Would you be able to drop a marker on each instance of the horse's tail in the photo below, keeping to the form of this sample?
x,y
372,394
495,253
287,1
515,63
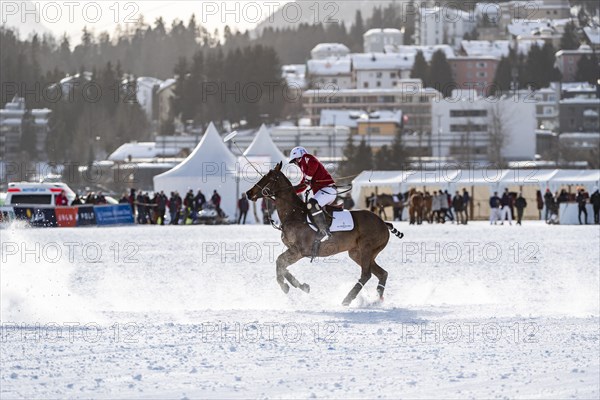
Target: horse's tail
x,y
395,231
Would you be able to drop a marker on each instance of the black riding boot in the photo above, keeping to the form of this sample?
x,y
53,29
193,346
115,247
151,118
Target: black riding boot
x,y
321,223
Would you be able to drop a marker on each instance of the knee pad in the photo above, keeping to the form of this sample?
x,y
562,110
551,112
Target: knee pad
x,y
313,205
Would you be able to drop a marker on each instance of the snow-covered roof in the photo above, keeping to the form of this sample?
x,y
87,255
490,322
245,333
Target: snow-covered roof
x,y
577,87
294,75
497,48
593,34
329,67
529,27
426,50
382,61
388,31
141,150
263,146
324,50
583,49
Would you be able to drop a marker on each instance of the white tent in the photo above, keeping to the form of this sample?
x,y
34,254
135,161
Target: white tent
x,y
211,166
263,146
589,179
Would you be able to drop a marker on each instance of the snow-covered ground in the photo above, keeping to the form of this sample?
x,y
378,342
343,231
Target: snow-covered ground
x,y
195,312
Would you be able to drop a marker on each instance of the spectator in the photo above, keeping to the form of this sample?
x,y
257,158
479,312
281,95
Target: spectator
x,y
549,203
595,200
398,207
494,204
199,200
540,203
458,204
61,199
436,207
140,202
505,202
124,199
448,211
243,206
132,198
581,202
466,203
189,204
77,201
173,209
100,199
90,198
161,207
520,205
348,202
216,200
563,197
267,209
443,203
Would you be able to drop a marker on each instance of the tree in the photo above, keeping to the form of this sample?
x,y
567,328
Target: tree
x,y
497,134
588,69
28,137
398,153
420,68
569,39
383,158
440,74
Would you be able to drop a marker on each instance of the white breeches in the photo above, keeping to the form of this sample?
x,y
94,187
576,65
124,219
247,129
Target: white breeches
x,y
325,196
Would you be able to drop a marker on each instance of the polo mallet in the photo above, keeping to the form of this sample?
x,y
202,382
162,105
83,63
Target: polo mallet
x,y
231,138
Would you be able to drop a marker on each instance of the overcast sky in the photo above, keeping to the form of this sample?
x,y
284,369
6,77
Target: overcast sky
x,y
71,16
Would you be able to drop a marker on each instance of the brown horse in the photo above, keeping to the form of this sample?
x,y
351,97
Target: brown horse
x,y
381,201
415,206
368,238
427,206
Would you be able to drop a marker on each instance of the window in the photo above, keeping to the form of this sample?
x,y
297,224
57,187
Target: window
x,y
373,130
394,83
481,74
379,75
366,85
378,84
392,75
468,113
482,65
31,199
334,81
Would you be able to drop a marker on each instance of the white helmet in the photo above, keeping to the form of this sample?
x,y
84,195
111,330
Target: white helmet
x,y
297,152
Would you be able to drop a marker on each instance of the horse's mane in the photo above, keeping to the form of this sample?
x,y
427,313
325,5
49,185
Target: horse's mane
x,y
288,185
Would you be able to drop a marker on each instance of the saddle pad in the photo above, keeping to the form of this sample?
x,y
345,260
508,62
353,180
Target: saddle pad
x,y
342,222
396,199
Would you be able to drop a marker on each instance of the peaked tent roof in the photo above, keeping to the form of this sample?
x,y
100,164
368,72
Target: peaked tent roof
x,y
263,146
211,149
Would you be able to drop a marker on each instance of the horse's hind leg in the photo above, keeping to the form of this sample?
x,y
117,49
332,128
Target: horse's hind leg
x,y
382,275
284,260
364,263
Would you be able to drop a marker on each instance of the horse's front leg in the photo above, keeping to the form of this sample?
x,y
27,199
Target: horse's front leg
x,y
284,260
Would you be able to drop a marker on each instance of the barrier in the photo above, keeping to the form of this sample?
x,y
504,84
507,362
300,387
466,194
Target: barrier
x,y
113,215
69,217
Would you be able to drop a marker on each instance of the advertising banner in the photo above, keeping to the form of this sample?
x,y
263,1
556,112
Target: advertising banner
x,y
39,217
66,217
113,215
86,216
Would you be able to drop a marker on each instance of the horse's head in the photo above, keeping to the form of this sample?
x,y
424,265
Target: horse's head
x,y
270,185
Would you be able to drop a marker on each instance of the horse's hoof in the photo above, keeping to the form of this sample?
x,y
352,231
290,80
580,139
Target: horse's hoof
x,y
285,287
305,288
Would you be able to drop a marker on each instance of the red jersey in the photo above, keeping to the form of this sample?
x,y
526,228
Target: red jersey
x,y
315,174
